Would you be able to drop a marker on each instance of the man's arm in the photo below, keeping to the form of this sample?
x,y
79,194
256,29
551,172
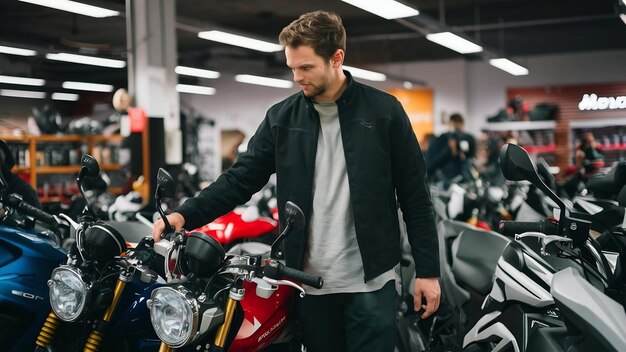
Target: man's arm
x,y
409,175
411,183
234,187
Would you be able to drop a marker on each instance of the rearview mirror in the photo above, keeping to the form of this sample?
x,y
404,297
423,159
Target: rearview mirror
x,y
517,166
89,166
166,186
295,216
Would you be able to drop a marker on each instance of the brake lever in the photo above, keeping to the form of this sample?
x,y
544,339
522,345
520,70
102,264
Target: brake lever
x,y
544,239
286,283
72,223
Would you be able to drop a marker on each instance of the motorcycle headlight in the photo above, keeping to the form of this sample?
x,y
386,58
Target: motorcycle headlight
x,y
174,315
68,293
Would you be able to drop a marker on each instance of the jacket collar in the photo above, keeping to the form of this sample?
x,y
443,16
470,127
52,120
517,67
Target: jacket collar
x,y
346,97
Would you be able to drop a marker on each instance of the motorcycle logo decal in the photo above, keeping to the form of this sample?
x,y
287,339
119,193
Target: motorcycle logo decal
x,y
265,334
26,295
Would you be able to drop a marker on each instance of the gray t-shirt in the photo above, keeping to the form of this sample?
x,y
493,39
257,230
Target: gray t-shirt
x,y
332,249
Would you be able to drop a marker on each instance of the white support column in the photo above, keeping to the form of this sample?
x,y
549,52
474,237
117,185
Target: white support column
x,y
152,58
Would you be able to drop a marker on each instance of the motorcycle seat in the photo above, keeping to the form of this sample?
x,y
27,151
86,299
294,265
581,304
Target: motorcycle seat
x,y
475,255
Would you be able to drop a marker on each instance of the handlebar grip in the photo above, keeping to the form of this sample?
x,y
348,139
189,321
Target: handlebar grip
x,y
511,228
277,270
19,204
300,276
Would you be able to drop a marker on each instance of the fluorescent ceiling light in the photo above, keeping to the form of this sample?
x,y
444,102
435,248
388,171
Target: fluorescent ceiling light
x,y
238,40
65,96
509,66
365,74
75,7
454,42
196,72
87,60
22,80
187,88
264,81
92,87
388,9
17,51
22,94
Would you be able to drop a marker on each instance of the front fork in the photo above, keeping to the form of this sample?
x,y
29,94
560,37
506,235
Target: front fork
x,y
97,334
47,332
235,295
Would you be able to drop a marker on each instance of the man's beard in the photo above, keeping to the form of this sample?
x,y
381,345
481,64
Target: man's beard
x,y
317,89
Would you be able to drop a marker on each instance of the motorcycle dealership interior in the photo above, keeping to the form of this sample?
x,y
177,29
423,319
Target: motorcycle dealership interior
x,y
115,112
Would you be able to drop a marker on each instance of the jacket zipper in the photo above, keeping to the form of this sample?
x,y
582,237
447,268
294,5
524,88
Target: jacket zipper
x,y
316,121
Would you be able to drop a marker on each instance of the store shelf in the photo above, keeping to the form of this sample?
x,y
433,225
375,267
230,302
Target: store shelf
x,y
606,148
540,148
51,138
114,138
14,139
33,152
521,125
598,123
116,190
21,169
50,199
110,167
58,169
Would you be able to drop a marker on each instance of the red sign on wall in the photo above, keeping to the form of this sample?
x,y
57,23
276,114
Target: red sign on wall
x,y
137,119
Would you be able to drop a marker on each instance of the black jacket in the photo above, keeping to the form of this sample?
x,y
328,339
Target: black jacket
x,y
383,159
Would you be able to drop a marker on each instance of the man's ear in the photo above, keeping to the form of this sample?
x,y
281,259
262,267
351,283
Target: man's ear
x,y
337,58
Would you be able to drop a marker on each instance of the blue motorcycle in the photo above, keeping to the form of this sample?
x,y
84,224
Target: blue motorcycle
x,y
26,260
98,294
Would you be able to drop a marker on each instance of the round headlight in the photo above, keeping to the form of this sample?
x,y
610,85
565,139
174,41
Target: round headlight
x,y
68,293
174,315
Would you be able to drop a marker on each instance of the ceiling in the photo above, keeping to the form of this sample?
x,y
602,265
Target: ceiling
x,y
514,28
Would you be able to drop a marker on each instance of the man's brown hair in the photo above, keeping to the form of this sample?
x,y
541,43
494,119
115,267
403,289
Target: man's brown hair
x,y
321,30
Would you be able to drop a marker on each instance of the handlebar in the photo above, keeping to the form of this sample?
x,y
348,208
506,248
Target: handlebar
x,y
512,228
276,270
18,203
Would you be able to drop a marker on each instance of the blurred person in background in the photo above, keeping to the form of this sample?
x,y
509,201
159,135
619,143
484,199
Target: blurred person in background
x,y
450,155
588,161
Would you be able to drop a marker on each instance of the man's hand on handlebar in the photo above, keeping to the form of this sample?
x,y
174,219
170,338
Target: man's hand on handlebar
x,y
429,290
176,220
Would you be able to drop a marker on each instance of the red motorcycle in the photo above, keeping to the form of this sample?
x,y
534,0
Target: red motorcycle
x,y
249,222
222,302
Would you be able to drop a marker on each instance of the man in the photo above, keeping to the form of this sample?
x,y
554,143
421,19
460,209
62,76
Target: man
x,y
342,151
450,154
